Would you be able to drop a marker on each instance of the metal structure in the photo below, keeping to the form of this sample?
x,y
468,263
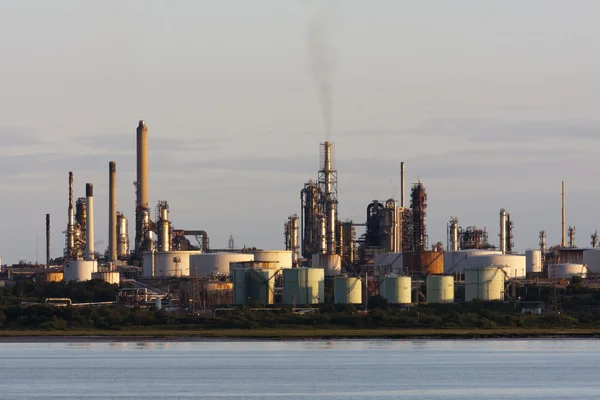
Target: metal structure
x,y
303,286
453,234
47,241
418,206
594,238
143,224
396,289
112,212
566,271
89,227
291,237
571,235
329,193
506,232
122,236
79,270
163,226
543,244
347,290
563,241
75,235
533,261
485,284
310,220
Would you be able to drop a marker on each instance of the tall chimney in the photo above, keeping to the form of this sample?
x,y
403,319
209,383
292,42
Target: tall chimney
x,y
47,241
89,227
402,184
563,241
112,211
142,165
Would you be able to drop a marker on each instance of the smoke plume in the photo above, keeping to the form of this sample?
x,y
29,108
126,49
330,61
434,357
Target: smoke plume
x,y
321,56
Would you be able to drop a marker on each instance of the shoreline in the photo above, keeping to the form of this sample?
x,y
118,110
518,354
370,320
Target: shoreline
x,y
294,334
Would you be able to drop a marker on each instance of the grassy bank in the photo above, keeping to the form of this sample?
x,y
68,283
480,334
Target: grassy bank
x,y
301,334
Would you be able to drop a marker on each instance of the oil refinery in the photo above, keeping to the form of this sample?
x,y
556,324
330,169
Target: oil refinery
x,y
323,258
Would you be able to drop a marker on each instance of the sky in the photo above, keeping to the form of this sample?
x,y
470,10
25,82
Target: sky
x,y
490,104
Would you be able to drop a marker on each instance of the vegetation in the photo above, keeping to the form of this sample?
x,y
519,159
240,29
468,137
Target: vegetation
x,y
580,315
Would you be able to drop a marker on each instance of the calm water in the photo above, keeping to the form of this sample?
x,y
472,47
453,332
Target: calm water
x,y
428,369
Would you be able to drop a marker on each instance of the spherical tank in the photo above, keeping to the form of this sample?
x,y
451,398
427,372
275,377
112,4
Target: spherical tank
x,y
283,257
396,289
347,290
440,289
591,258
79,270
167,263
485,284
533,260
513,265
112,277
456,261
207,264
566,271
303,286
389,263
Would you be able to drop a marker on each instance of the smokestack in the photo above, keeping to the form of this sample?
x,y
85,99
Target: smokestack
x,y
89,227
47,241
142,165
112,211
563,241
402,184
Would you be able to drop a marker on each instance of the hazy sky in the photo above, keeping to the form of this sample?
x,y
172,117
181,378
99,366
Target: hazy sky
x,y
491,104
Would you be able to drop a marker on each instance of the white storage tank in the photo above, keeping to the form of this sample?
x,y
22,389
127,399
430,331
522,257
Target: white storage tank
x,y
513,265
283,257
456,261
167,263
485,284
347,290
303,286
389,263
533,261
79,270
331,263
396,289
566,271
440,289
112,277
591,258
207,264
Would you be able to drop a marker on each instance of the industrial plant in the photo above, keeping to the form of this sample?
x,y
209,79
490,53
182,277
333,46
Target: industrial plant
x,y
323,258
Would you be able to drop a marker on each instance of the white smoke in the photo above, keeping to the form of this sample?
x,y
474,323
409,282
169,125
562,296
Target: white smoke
x,y
321,57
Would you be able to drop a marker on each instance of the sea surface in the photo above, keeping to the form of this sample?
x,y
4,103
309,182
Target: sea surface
x,y
337,369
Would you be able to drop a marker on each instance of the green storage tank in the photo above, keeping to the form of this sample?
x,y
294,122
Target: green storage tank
x,y
303,286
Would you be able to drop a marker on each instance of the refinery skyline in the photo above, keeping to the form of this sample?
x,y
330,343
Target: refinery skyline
x,y
230,149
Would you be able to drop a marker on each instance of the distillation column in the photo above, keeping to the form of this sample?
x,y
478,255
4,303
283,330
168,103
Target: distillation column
x,y
503,231
89,234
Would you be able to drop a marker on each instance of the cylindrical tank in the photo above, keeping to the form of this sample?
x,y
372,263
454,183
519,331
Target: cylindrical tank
x,y
347,290
440,289
303,286
283,257
396,289
456,261
485,284
533,260
207,264
253,286
167,263
591,258
566,271
255,265
513,265
423,262
331,263
112,277
79,270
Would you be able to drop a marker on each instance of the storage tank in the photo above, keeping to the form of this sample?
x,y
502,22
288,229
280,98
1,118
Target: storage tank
x,y
440,289
456,261
484,283
79,270
423,262
53,276
533,261
207,264
396,289
252,286
513,265
566,271
283,257
112,277
389,263
591,258
331,263
302,286
274,265
347,290
167,263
